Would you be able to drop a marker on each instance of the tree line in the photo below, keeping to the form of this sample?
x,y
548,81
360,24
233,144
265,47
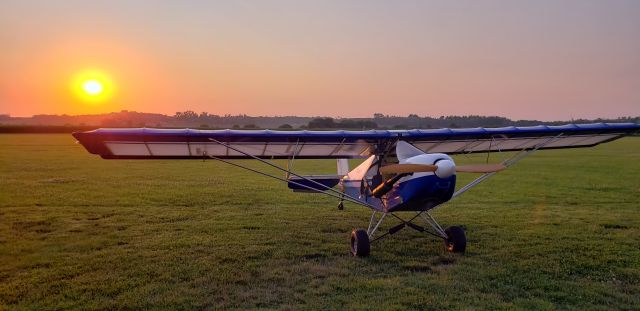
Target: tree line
x,y
204,120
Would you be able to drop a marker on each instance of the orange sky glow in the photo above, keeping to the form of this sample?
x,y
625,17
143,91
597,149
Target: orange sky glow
x,y
524,60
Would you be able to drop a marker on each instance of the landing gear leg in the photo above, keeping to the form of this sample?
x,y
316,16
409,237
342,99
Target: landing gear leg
x,y
454,238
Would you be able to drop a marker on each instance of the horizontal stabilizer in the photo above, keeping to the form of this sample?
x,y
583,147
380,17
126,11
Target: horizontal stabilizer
x,y
313,183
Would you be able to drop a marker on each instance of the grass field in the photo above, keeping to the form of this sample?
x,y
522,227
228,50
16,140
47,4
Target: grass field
x,y
559,230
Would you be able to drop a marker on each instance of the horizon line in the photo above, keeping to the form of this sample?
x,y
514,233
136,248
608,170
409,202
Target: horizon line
x,y
319,116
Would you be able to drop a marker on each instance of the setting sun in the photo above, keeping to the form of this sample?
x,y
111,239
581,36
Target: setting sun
x,y
92,86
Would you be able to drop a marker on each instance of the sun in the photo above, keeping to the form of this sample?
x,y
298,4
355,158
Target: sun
x,y
92,86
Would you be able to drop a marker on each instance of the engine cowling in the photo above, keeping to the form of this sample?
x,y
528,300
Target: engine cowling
x,y
446,166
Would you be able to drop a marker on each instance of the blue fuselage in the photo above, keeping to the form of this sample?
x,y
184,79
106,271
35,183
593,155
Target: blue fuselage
x,y
420,193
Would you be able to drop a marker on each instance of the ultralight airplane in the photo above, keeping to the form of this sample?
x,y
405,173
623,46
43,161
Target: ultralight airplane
x,y
405,172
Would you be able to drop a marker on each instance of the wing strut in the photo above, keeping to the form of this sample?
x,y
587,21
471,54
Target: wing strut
x,y
337,194
293,182
511,161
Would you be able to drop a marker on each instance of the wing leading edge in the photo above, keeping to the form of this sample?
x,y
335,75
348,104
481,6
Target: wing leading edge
x,y
148,143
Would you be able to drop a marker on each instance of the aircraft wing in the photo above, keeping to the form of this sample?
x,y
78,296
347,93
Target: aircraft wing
x,y
149,143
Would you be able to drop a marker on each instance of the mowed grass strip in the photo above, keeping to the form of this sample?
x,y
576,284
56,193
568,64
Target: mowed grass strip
x,y
561,229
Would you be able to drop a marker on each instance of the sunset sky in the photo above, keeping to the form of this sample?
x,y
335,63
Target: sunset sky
x,y
548,60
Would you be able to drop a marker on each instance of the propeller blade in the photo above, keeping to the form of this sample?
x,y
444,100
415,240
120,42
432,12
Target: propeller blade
x,y
480,168
407,168
415,168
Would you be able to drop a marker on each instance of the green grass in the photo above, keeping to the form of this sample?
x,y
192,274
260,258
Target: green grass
x,y
561,229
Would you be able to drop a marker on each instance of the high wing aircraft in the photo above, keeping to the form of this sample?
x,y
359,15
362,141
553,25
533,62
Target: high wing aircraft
x,y
405,174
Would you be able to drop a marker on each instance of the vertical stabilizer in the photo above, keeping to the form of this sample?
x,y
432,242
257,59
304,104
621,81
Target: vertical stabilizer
x,y
361,170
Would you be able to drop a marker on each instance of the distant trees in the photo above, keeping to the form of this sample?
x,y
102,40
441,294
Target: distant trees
x,y
357,124
378,120
186,115
192,119
322,123
330,123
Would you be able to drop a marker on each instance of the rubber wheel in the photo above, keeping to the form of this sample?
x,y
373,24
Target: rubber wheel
x,y
360,245
456,241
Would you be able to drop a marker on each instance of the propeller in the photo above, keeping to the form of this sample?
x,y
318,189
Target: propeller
x,y
415,168
407,168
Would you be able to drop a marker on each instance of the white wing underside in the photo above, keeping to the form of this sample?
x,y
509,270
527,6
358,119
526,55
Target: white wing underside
x,y
338,150
187,143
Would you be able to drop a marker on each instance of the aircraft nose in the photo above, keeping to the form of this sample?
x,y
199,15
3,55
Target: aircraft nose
x,y
446,168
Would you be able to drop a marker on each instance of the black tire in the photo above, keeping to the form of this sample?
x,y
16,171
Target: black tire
x,y
456,241
360,245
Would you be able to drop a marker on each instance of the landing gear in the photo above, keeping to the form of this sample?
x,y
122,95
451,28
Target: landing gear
x,y
456,241
454,238
340,205
360,244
